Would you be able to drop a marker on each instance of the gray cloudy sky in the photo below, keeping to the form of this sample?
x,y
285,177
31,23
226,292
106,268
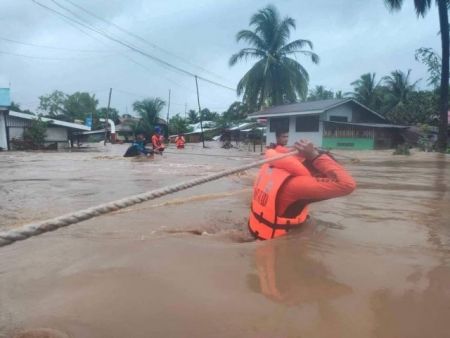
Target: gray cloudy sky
x,y
351,37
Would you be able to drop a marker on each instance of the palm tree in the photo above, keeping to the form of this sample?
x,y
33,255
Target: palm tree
x,y
399,88
422,7
366,91
193,116
275,78
339,95
148,110
320,93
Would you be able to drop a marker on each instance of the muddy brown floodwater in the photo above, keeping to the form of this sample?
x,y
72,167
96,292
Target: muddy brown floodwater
x,y
372,264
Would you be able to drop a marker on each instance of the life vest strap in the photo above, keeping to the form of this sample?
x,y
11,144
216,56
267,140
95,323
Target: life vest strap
x,y
255,234
275,226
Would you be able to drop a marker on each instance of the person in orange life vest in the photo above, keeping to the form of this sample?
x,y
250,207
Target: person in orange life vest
x,y
284,189
180,141
157,141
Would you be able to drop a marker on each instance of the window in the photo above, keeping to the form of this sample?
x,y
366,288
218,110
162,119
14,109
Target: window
x,y
280,124
307,123
339,118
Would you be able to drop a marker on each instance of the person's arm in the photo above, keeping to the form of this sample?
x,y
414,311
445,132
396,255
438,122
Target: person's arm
x,y
292,164
302,190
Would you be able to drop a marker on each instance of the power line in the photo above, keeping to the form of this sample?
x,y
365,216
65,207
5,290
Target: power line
x,y
40,57
51,47
135,49
140,38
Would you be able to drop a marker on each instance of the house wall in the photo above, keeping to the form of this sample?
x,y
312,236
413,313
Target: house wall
x,y
361,115
353,143
16,133
344,110
57,134
3,139
315,137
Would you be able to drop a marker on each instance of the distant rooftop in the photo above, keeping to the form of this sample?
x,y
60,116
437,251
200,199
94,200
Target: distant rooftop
x,y
70,125
306,108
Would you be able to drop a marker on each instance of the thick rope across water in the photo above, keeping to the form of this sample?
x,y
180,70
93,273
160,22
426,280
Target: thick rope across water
x,y
34,229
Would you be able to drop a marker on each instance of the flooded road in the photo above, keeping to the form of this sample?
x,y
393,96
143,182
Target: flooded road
x,y
375,263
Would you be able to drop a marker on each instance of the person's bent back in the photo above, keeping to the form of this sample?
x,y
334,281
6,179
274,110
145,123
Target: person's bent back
x,y
284,189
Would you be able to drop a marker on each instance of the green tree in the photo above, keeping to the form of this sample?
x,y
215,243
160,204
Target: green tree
x,y
422,7
36,133
208,115
320,93
113,114
101,114
79,105
275,78
399,88
177,124
236,112
339,95
366,90
52,105
419,108
433,61
14,106
193,117
148,110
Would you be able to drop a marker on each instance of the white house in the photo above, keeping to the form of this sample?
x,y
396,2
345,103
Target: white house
x,y
13,124
335,123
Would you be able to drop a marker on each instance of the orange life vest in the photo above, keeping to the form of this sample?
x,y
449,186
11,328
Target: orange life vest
x,y
179,141
157,142
264,223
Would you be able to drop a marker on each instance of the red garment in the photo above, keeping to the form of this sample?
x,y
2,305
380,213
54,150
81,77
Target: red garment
x,y
180,141
157,142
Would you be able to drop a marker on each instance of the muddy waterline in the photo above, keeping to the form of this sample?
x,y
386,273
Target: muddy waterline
x,y
372,264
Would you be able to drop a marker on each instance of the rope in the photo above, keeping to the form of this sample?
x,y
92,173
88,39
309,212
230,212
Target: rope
x,y
182,152
34,229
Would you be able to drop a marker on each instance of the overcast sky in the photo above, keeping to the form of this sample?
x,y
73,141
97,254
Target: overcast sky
x,y
352,37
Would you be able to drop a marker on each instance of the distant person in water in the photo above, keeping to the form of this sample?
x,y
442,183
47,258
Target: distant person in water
x,y
158,141
180,141
137,148
284,189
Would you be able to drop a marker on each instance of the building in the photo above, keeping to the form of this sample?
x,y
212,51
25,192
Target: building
x,y
333,124
209,131
13,124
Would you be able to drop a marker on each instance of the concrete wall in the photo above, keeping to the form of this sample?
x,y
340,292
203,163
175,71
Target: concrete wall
x,y
348,143
3,139
57,134
16,133
315,137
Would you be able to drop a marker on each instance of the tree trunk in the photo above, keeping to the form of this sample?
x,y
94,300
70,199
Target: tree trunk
x,y
443,102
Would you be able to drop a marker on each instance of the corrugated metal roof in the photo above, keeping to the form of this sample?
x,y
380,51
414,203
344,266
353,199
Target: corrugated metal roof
x,y
5,99
52,121
309,107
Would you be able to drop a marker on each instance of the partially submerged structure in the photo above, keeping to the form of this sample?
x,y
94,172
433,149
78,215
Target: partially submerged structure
x,y
334,124
12,125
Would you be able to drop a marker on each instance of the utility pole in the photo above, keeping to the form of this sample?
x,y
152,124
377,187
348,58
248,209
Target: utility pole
x,y
185,108
168,110
200,112
107,115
